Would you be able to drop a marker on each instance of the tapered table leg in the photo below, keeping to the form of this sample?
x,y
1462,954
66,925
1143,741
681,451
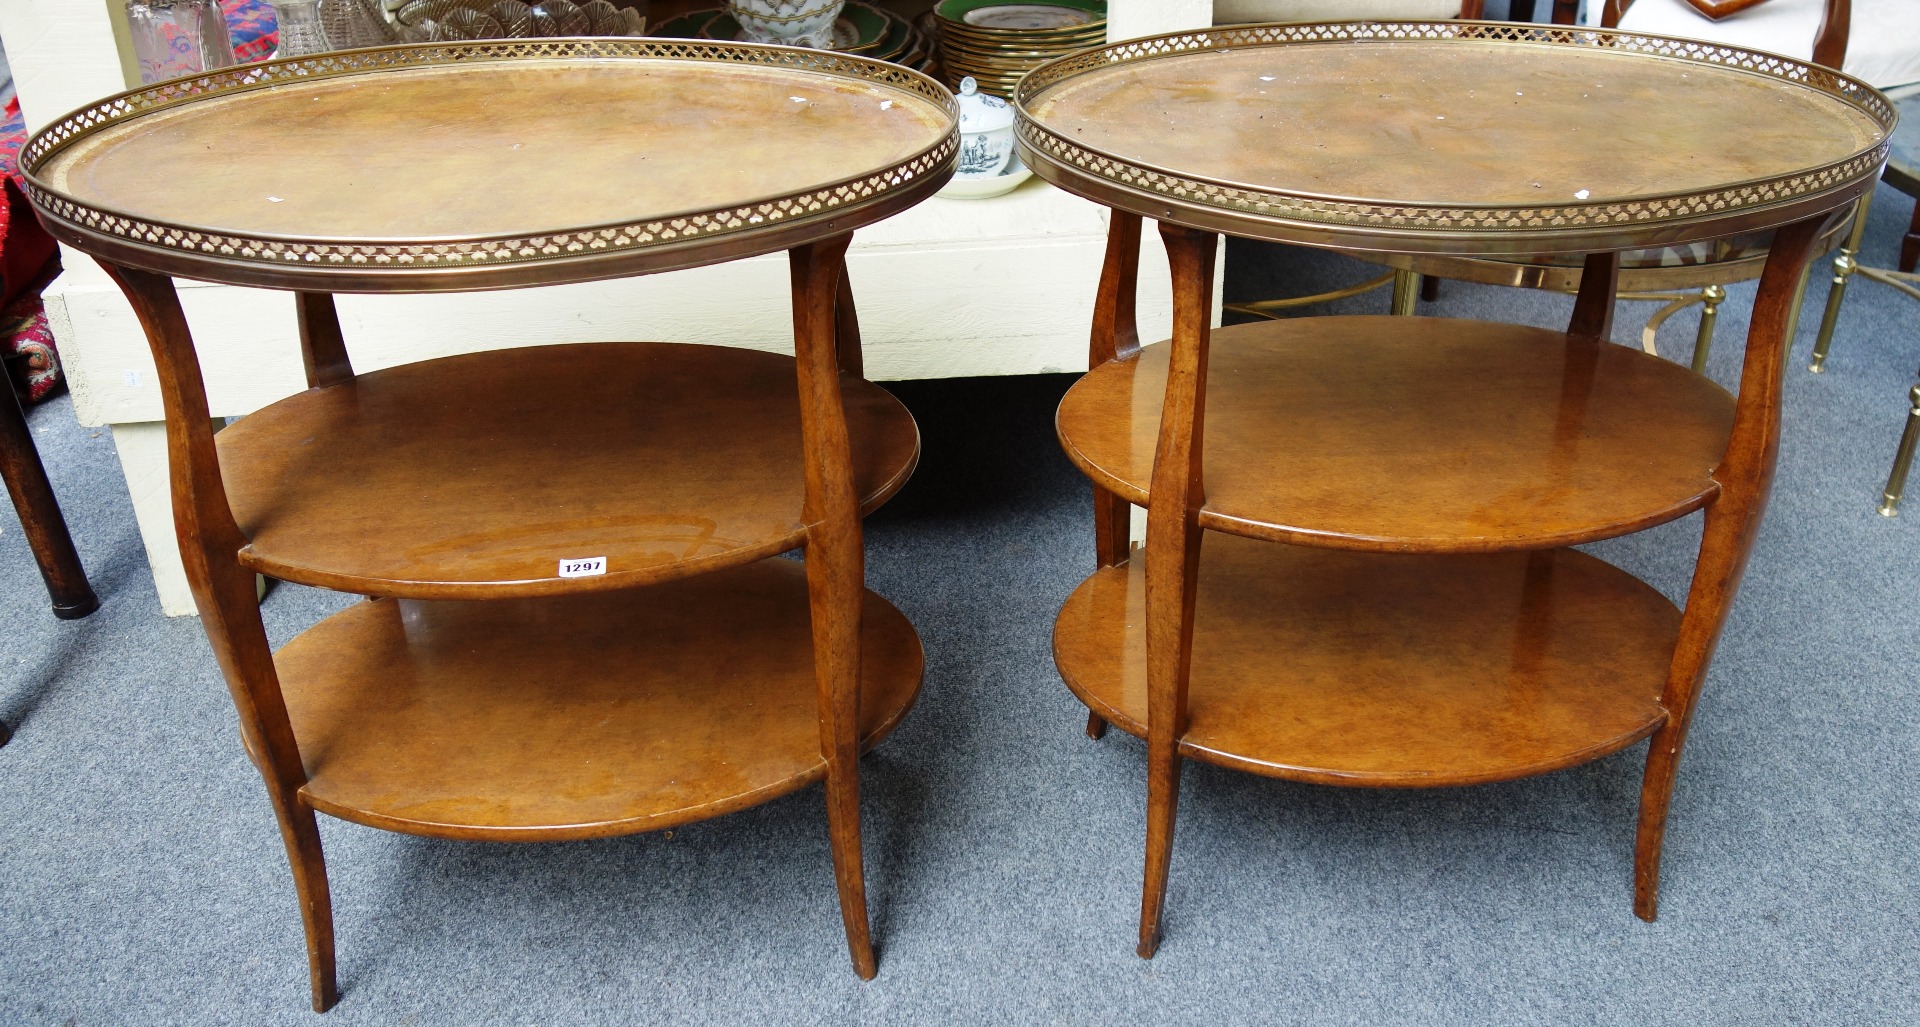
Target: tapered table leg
x,y
210,542
1116,334
1173,557
1732,522
836,569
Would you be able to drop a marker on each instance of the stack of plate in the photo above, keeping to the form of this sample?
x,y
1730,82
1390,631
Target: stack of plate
x,y
996,41
863,29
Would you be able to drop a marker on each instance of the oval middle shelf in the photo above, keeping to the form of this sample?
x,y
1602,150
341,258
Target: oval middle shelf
x,y
578,716
475,476
1416,434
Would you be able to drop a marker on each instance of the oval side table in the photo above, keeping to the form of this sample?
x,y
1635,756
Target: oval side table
x,y
1387,597
638,661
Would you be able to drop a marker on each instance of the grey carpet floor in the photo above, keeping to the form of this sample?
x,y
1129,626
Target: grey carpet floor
x,y
142,880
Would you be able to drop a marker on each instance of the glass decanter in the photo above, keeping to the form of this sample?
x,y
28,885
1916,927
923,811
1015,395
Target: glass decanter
x,y
172,38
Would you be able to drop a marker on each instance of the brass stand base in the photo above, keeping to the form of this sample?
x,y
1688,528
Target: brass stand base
x,y
1906,282
1269,308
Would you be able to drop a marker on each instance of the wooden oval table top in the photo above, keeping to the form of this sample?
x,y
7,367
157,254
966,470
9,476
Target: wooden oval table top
x,y
1452,136
479,165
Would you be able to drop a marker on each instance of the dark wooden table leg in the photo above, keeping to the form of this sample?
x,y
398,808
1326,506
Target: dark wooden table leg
x,y
1593,305
1732,522
836,564
1115,334
1173,556
229,606
40,517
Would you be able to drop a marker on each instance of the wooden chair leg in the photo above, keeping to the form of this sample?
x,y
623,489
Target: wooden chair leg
x,y
836,564
1429,289
6,733
40,517
1732,522
1173,557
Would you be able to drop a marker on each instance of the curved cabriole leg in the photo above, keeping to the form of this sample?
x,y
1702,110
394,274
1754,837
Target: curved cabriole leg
x,y
1843,267
1116,334
836,569
1173,557
40,517
1732,522
229,608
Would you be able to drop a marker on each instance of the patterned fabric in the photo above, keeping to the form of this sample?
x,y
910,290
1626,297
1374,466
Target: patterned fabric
x,y
26,347
27,263
13,135
252,26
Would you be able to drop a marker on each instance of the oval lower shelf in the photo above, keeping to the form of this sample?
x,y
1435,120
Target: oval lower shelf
x,y
1387,670
475,476
577,716
1417,434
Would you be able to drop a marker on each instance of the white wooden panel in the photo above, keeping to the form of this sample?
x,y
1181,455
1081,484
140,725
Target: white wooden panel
x,y
1131,20
62,55
143,458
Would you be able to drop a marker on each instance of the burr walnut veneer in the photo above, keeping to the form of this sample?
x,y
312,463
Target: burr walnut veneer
x,y
640,661
1384,596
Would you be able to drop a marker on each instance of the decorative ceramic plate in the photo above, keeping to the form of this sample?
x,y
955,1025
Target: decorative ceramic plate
x,y
1026,17
997,17
984,186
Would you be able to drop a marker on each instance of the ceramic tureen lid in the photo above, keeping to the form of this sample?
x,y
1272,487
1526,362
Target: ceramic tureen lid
x,y
980,112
